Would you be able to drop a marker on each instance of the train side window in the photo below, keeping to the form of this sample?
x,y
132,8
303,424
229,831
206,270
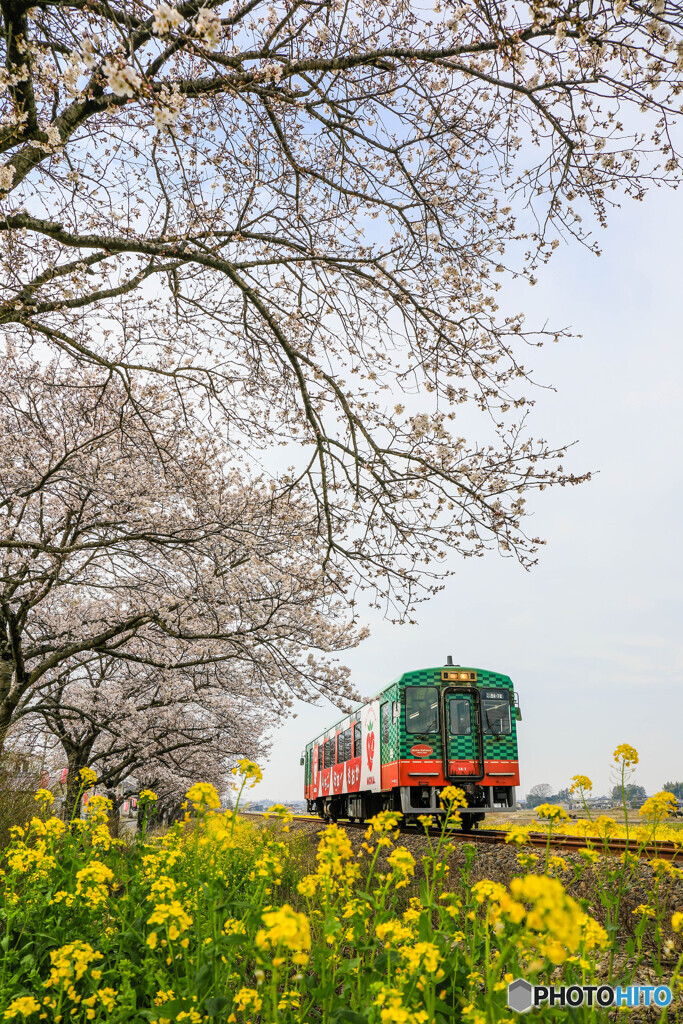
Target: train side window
x,y
329,753
459,717
320,757
422,709
344,746
495,714
356,740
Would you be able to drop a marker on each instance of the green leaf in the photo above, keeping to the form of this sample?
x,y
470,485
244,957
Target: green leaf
x,y
386,959
173,1007
214,1005
343,1015
202,975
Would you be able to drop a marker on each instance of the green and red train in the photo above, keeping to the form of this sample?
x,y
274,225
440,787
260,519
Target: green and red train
x,y
434,727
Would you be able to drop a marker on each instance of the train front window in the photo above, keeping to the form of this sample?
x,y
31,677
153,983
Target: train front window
x,y
422,709
459,717
495,714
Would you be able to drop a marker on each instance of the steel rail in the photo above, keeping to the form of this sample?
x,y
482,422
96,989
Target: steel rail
x,y
664,850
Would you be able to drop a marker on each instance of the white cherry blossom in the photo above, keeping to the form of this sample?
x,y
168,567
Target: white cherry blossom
x,y
166,18
208,27
122,79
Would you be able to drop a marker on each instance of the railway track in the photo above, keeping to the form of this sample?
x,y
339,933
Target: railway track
x,y
663,850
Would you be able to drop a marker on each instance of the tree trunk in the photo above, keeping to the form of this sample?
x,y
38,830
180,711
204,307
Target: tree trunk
x,y
6,677
77,758
114,816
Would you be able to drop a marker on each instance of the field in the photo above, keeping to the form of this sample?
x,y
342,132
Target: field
x,y
222,920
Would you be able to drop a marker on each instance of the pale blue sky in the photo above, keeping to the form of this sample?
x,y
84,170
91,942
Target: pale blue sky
x,y
591,636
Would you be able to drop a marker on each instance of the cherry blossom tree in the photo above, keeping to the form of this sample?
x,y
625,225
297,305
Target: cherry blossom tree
x,y
129,539
299,213
165,728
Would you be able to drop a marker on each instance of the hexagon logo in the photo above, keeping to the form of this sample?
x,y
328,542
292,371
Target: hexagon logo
x,y
520,995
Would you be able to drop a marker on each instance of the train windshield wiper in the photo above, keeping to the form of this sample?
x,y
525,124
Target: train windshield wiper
x,y
498,735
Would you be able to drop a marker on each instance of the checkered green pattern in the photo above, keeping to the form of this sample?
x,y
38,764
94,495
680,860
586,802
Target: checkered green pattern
x,y
390,744
460,747
503,749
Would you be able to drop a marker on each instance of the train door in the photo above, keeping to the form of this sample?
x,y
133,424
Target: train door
x,y
389,743
385,732
463,735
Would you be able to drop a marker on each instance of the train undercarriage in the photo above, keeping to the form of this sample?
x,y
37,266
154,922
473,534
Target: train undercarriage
x,y
413,801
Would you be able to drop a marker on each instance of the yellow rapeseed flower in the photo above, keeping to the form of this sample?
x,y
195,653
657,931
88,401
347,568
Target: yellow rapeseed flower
x,y
518,836
70,962
487,890
171,915
626,753
92,881
24,1005
203,795
334,850
162,889
394,1011
385,821
44,797
662,867
677,921
402,864
453,796
250,770
552,812
88,776
286,928
423,957
107,997
526,859
661,805
391,933
98,810
580,783
553,918
248,998
234,927
308,885
147,796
